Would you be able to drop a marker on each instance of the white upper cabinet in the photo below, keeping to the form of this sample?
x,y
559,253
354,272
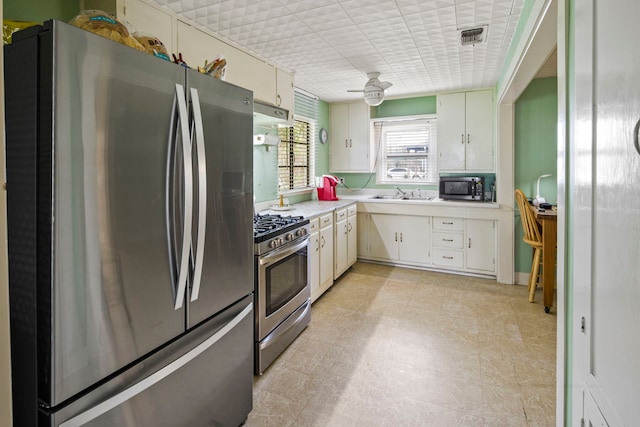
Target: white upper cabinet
x,y
269,84
152,20
465,132
349,137
242,69
284,91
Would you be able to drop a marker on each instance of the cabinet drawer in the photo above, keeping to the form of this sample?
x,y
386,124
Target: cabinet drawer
x,y
351,210
447,240
446,258
326,220
314,224
341,214
448,224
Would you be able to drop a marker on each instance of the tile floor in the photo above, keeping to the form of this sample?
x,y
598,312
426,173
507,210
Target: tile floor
x,y
394,347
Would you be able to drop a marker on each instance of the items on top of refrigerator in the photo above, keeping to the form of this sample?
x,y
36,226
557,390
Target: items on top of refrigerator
x,y
216,68
9,27
152,45
105,25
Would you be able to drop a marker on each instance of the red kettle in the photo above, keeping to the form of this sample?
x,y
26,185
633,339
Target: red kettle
x,y
328,189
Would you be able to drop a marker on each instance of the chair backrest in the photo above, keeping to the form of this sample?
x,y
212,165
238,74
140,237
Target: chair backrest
x,y
529,224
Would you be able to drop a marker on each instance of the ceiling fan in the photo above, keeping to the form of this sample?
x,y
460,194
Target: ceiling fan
x,y
373,89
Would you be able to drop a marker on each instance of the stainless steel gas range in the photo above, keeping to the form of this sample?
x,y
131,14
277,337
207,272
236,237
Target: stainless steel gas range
x,y
283,297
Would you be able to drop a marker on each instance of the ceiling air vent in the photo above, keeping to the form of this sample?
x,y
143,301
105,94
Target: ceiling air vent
x,y
472,36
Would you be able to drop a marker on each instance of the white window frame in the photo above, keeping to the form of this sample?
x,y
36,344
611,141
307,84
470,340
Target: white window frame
x,y
310,160
384,166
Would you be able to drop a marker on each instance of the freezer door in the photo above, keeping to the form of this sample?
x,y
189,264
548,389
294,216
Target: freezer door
x,y
203,379
223,246
113,288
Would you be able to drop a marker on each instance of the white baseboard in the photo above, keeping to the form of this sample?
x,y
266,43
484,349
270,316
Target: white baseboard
x,y
522,278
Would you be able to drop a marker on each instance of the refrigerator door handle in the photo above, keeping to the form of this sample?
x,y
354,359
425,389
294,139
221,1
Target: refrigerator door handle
x,y
128,393
202,193
183,269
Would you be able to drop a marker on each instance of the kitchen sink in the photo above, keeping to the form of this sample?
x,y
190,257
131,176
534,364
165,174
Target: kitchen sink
x,y
401,197
385,197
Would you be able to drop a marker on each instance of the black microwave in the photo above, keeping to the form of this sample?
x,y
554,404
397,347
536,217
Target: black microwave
x,y
470,188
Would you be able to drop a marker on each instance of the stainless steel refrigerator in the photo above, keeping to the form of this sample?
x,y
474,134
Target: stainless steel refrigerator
x,y
130,209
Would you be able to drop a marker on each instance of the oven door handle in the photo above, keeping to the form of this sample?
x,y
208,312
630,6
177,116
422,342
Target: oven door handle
x,y
279,254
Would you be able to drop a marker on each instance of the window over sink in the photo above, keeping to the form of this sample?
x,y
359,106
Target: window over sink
x,y
406,149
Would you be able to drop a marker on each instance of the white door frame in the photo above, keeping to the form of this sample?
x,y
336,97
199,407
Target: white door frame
x,y
544,34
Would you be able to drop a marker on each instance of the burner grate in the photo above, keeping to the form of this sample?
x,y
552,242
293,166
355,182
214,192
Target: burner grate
x,y
268,225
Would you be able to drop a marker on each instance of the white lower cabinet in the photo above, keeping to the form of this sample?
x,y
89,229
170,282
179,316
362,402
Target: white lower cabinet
x,y
401,238
464,244
346,244
481,245
314,257
321,268
446,243
448,250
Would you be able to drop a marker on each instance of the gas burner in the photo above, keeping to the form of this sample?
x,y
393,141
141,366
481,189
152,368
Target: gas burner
x,y
271,230
264,225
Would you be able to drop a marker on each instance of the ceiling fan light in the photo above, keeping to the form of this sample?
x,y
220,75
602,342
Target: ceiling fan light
x,y
374,97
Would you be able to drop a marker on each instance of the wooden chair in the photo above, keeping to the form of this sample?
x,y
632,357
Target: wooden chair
x,y
533,237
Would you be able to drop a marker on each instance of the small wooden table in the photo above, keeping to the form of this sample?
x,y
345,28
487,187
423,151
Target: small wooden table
x,y
549,221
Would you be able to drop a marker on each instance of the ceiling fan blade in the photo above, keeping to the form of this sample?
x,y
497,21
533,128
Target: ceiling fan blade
x,y
355,90
385,85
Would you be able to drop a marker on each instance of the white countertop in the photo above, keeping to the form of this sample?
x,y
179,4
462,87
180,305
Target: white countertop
x,y
312,208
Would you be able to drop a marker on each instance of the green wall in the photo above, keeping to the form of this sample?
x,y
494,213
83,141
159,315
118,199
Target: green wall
x,y
265,162
536,147
40,10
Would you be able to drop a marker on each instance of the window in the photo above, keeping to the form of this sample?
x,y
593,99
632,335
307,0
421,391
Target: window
x,y
294,156
406,150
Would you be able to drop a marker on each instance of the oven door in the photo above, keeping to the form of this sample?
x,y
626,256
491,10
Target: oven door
x,y
283,284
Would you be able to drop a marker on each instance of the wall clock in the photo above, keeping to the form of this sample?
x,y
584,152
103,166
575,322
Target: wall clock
x,y
324,136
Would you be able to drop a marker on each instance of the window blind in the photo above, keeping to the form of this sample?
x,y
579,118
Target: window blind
x,y
296,151
407,150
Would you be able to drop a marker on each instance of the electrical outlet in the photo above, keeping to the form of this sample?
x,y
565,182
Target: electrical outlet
x,y
341,180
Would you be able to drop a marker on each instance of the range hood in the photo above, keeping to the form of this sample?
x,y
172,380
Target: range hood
x,y
269,114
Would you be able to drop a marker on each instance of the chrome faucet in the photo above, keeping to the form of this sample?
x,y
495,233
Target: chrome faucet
x,y
399,191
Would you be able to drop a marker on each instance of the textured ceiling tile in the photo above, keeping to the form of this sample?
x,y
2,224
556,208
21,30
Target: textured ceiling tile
x,y
392,27
416,6
363,12
325,18
303,5
331,44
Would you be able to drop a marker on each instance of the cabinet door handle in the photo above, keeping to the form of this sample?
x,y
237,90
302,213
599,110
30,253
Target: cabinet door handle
x,y
462,138
350,143
346,229
447,257
447,223
447,240
323,242
278,100
469,242
317,245
396,236
350,227
468,138
346,142
400,237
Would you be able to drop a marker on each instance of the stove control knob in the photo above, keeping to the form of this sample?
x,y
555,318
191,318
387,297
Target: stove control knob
x,y
289,237
301,232
279,241
273,243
